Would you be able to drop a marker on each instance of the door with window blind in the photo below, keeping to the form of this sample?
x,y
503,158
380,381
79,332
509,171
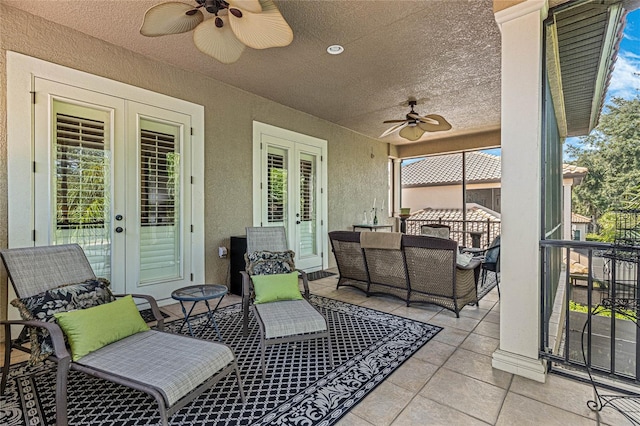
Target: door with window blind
x,y
109,176
291,193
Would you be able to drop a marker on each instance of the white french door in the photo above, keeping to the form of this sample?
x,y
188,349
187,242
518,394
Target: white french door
x,y
110,176
290,191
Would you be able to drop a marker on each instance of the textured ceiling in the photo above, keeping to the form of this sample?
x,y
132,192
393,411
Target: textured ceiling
x,y
445,53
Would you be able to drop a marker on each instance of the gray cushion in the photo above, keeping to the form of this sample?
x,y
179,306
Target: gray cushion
x,y
173,364
288,318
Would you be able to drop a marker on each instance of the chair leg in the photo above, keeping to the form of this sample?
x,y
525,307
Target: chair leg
x,y
61,392
7,358
262,364
497,283
330,347
242,397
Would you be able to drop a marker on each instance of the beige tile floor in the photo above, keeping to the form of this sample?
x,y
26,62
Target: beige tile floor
x,y
450,380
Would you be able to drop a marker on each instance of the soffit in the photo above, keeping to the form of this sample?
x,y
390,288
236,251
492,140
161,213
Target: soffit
x,y
583,46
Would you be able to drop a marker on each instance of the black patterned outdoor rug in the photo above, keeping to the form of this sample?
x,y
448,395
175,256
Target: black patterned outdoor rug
x,y
147,315
312,276
487,286
300,388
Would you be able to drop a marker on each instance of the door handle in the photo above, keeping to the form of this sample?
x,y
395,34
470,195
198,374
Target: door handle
x,y
119,229
118,217
297,222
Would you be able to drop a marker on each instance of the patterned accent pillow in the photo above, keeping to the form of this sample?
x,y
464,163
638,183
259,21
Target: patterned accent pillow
x,y
270,262
65,298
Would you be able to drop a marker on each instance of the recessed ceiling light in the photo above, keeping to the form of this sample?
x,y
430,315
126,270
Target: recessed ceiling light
x,y
335,49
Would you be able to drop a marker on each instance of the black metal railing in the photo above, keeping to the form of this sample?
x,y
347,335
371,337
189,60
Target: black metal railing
x,y
470,233
592,276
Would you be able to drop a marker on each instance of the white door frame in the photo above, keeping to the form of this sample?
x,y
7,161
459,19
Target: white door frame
x,y
21,73
260,129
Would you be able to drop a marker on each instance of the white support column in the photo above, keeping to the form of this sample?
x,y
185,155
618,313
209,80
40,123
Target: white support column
x,y
522,48
566,208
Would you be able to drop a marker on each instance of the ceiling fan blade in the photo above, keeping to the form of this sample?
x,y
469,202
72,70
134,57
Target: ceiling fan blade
x,y
262,30
395,121
252,6
394,128
170,18
220,43
412,133
441,123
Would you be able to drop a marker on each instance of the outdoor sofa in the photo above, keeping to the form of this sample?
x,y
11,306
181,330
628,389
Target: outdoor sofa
x,y
414,268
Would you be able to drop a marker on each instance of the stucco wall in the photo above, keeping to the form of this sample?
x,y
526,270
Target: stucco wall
x,y
438,197
354,177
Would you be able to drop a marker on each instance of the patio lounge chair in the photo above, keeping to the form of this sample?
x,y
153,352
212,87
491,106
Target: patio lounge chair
x,y
181,369
280,321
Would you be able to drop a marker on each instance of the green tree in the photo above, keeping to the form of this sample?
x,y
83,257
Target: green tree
x,y
611,152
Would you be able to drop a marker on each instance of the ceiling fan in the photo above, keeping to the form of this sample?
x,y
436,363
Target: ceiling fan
x,y
414,126
234,25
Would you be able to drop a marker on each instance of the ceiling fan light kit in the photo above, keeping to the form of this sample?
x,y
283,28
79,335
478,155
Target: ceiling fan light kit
x,y
413,126
236,24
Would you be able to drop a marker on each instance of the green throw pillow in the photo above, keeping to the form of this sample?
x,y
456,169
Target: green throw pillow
x,y
90,329
275,287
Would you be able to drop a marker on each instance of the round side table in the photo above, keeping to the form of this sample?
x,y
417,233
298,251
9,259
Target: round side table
x,y
200,293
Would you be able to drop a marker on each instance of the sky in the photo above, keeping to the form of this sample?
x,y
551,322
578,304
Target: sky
x,y
625,79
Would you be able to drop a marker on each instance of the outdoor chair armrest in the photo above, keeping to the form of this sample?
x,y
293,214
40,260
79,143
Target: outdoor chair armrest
x,y
152,303
57,338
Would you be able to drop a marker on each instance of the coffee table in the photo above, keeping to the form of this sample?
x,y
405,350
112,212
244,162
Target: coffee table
x,y
200,293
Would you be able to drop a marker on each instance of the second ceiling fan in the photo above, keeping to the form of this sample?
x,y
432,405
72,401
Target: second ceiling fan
x,y
413,126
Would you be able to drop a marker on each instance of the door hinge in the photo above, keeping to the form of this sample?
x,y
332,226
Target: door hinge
x,y
192,131
260,185
191,228
322,254
191,277
321,159
33,235
321,222
261,145
191,180
34,167
33,97
260,223
322,190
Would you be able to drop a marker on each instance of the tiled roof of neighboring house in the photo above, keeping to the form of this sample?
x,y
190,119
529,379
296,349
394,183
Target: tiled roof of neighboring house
x,y
475,212
447,170
578,218
569,170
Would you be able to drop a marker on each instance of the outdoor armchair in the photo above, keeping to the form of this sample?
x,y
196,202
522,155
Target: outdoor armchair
x,y
181,369
288,316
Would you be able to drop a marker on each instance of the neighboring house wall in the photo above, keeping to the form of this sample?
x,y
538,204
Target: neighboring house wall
x,y
450,196
579,230
357,165
436,197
